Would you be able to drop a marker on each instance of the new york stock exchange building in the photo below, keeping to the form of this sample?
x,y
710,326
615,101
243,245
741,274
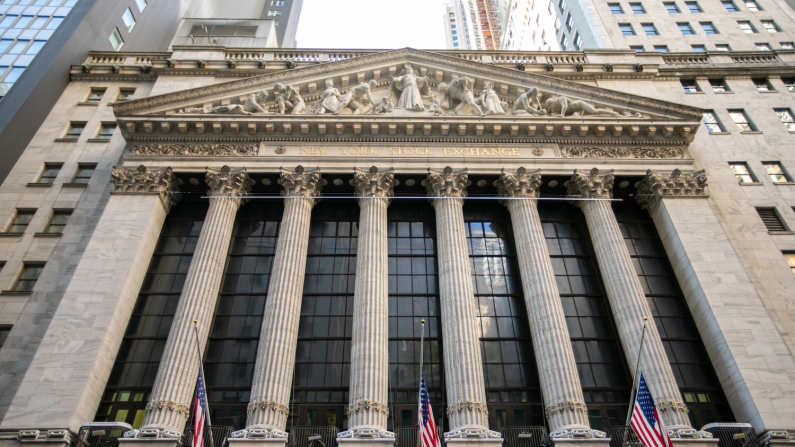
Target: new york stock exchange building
x,y
291,216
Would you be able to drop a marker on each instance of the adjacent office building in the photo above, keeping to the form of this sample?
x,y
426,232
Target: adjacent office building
x,y
474,24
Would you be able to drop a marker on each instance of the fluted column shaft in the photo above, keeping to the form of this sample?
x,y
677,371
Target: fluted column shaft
x,y
176,377
273,373
629,305
466,393
557,369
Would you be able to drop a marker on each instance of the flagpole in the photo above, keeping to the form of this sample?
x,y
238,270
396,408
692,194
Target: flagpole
x,y
419,396
201,370
637,369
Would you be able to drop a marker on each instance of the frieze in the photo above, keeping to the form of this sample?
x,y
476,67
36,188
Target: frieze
x,y
623,152
240,150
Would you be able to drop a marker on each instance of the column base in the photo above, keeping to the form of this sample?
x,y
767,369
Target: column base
x,y
695,442
365,442
257,442
581,442
150,442
473,442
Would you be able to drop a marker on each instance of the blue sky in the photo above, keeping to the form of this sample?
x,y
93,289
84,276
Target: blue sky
x,y
371,24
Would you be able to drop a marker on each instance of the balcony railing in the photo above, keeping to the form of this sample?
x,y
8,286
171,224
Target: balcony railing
x,y
409,436
732,434
299,436
622,436
524,436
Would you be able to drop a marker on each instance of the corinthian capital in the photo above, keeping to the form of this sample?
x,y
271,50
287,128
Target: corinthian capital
x,y
655,186
374,183
595,184
446,182
521,184
142,181
226,182
301,182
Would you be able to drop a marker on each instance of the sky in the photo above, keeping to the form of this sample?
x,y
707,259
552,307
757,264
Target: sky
x,y
371,24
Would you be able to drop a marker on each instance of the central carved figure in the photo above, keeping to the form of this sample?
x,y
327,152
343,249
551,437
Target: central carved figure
x,y
406,91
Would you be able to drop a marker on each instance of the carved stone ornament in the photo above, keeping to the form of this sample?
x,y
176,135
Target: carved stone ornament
x,y
143,181
446,182
301,182
521,184
226,182
196,150
655,186
374,183
623,152
595,184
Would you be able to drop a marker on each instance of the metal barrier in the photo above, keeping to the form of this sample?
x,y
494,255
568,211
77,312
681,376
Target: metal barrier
x,y
622,436
214,436
409,436
524,436
299,436
732,434
101,434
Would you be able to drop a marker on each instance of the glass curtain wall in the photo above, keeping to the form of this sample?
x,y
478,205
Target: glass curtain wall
x,y
511,377
133,374
413,296
232,348
694,373
323,355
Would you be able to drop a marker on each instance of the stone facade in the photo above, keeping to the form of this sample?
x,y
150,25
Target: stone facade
x,y
642,137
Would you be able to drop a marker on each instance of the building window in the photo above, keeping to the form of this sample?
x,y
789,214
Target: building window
x,y
746,27
49,173
777,172
637,48
578,41
562,5
771,26
274,13
637,8
786,117
722,47
694,7
96,94
787,46
742,173
4,331
626,29
771,219
569,22
564,42
789,83
699,48
741,120
752,5
84,173
730,6
763,47
54,23
709,28
790,257
690,85
106,131
719,85
58,221
128,19
35,47
649,29
125,94
671,8
141,4
23,22
75,129
18,47
115,40
557,24
661,48
711,122
762,85
685,28
277,2
27,279
615,8
21,220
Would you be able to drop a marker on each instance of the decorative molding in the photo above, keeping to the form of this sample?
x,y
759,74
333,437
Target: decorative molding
x,y
258,433
212,150
446,182
265,405
301,182
365,433
577,433
522,184
128,181
467,405
562,406
595,184
374,183
623,152
225,182
655,186
168,405
366,405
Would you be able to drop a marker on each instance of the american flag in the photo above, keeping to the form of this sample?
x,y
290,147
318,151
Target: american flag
x,y
199,411
646,421
429,437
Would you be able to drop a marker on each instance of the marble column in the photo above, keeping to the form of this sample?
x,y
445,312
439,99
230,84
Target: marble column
x,y
466,393
167,410
273,373
369,385
566,411
627,300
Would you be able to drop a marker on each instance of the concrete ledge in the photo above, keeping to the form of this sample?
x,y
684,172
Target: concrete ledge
x,y
363,442
574,442
257,442
149,442
473,442
699,442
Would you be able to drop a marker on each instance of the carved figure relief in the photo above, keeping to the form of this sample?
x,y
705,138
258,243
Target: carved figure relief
x,y
559,105
358,99
529,103
436,109
251,106
458,96
492,105
329,101
287,97
406,91
385,106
